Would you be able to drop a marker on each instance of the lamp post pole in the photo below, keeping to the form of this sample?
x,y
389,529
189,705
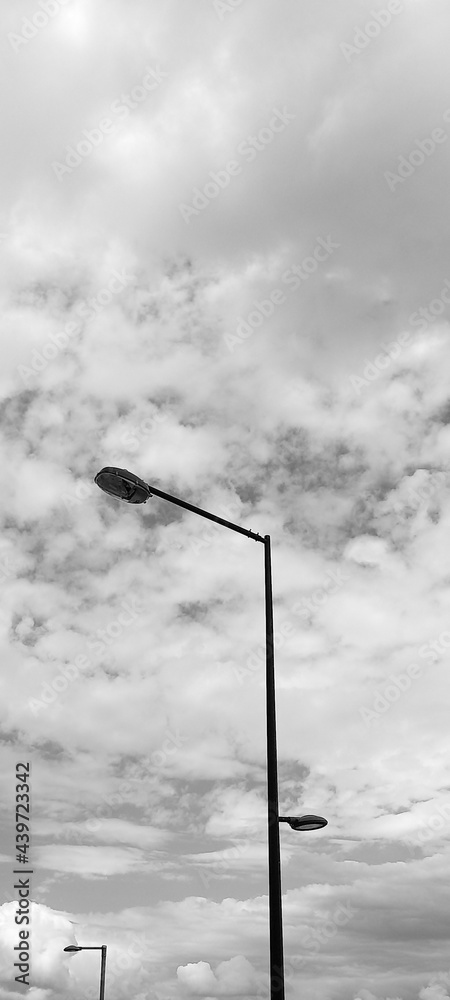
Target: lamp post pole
x,y
273,831
89,947
103,973
126,486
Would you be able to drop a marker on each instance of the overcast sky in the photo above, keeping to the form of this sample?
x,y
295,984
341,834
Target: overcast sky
x,y
224,266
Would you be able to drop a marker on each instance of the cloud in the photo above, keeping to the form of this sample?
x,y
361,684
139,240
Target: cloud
x,y
435,991
94,862
236,977
50,932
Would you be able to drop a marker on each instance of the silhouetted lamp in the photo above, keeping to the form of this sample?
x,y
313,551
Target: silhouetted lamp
x,y
304,822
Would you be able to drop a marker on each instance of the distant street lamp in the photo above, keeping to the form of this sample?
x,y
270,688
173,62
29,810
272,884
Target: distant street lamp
x,y
100,947
126,486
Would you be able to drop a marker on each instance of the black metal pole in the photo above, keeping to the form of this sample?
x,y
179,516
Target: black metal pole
x,y
204,513
103,973
275,907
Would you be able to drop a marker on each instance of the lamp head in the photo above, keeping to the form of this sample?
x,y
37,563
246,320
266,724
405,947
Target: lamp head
x,y
305,822
73,947
122,484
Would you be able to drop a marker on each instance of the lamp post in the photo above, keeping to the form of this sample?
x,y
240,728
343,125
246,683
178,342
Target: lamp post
x,y
100,947
126,486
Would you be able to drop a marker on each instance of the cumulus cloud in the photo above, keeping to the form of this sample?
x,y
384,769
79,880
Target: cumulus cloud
x,y
50,932
234,978
435,991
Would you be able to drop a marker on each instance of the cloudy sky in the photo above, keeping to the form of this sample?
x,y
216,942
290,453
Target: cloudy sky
x,y
224,245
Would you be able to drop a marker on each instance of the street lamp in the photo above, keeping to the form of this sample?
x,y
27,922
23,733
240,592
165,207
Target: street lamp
x,y
124,485
100,947
304,822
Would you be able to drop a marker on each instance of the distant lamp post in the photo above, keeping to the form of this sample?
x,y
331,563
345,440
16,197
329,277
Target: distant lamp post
x,y
126,486
100,947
